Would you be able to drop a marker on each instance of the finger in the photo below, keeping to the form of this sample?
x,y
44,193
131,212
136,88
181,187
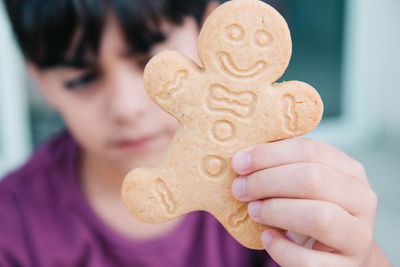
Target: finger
x,y
321,220
308,242
287,253
303,240
308,181
322,247
289,151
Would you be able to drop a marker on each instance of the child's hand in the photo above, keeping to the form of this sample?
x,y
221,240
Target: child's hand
x,y
313,189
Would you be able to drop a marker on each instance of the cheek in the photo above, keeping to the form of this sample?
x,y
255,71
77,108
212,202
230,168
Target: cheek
x,y
84,123
168,122
80,113
172,125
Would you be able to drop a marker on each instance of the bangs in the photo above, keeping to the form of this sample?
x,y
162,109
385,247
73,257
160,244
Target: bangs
x,y
54,31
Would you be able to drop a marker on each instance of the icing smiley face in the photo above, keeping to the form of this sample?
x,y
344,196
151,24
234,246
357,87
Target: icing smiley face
x,y
258,46
236,34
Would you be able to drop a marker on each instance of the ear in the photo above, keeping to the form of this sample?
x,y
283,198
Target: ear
x,y
211,6
38,77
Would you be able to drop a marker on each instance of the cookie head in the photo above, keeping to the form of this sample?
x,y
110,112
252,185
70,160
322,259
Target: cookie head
x,y
245,39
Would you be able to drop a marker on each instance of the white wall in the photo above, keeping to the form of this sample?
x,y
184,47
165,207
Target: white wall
x,y
384,67
371,74
14,131
376,73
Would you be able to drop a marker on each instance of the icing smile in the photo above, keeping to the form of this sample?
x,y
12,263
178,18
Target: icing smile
x,y
229,66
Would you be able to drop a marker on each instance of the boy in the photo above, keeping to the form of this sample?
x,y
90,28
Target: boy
x,y
63,207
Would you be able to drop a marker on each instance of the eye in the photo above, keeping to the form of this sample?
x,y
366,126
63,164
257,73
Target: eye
x,y
82,81
235,32
262,38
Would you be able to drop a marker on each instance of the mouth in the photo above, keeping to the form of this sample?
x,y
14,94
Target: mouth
x,y
230,67
136,143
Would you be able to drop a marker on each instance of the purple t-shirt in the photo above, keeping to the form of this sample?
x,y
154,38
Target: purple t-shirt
x,y
46,221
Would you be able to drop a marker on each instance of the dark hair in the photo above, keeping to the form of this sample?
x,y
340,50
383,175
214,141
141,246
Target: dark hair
x,y
48,30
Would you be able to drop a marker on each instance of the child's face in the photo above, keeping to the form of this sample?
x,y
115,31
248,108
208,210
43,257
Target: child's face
x,y
107,109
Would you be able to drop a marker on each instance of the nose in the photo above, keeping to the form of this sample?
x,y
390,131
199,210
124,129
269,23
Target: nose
x,y
127,99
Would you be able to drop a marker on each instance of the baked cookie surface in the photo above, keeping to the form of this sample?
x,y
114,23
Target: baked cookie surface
x,y
229,103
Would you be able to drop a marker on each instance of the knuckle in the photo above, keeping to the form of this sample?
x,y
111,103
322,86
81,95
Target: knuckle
x,y
312,179
309,148
369,235
359,168
372,200
366,237
322,220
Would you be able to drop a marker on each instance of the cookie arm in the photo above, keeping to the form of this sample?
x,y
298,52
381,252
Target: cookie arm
x,y
170,79
300,107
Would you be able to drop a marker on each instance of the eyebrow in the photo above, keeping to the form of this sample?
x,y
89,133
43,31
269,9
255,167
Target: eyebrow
x,y
76,63
85,63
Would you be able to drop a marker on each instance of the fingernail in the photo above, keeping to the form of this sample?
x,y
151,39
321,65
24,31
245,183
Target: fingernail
x,y
241,160
254,209
239,187
266,238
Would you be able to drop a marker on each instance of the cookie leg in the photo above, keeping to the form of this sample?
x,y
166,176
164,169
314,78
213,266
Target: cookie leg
x,y
148,197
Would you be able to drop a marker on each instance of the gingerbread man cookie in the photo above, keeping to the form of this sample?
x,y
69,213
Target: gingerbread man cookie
x,y
229,103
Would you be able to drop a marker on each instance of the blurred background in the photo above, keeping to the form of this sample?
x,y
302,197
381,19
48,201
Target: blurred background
x,y
347,49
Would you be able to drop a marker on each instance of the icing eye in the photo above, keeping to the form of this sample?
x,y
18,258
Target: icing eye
x,y
235,32
263,38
